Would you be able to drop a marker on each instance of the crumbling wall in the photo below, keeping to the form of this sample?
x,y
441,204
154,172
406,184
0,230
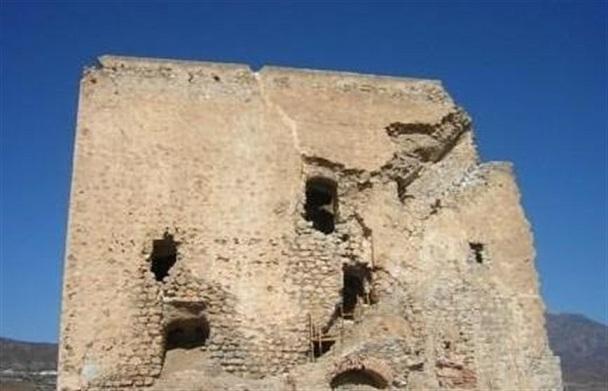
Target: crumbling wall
x,y
419,277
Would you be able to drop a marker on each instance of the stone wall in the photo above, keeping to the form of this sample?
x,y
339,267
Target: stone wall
x,y
419,274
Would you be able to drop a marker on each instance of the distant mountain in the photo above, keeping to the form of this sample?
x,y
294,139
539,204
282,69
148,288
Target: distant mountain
x,y
27,356
581,343
27,366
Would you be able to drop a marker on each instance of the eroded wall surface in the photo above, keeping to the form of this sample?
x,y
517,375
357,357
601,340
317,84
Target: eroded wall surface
x,y
424,279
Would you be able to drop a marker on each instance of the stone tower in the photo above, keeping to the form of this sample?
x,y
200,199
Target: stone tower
x,y
291,230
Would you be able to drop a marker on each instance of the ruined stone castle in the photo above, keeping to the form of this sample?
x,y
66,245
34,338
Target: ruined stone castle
x,y
291,230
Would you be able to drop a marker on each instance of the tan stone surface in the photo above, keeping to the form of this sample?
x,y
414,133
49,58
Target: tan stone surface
x,y
217,157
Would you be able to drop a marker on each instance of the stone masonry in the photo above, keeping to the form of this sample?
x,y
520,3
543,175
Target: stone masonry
x,y
291,230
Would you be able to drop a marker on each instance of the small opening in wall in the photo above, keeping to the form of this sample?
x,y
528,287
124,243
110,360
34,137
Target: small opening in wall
x,y
321,203
187,333
477,252
322,347
164,256
359,379
355,288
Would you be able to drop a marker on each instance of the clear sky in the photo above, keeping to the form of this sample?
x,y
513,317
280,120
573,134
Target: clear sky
x,y
533,75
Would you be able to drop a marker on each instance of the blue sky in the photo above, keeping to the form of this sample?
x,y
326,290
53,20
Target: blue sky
x,y
534,76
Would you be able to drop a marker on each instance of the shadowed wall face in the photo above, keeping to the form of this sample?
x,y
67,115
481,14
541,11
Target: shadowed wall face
x,y
229,227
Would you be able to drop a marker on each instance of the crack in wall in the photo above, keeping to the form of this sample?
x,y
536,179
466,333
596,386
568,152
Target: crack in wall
x,y
290,122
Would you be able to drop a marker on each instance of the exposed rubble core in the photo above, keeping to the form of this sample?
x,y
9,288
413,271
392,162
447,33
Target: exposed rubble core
x,y
291,230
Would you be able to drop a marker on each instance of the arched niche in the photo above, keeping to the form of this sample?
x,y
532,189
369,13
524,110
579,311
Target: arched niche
x,y
186,333
362,378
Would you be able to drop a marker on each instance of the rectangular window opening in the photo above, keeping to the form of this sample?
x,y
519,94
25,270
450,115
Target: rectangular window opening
x,y
478,254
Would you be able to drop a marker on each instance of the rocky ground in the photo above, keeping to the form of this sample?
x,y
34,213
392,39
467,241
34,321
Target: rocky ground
x,y
24,381
581,343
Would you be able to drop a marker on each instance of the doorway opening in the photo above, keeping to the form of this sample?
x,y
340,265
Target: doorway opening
x,y
321,204
164,256
356,290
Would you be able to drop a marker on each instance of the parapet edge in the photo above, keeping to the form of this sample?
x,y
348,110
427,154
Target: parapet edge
x,y
337,73
134,62
113,61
